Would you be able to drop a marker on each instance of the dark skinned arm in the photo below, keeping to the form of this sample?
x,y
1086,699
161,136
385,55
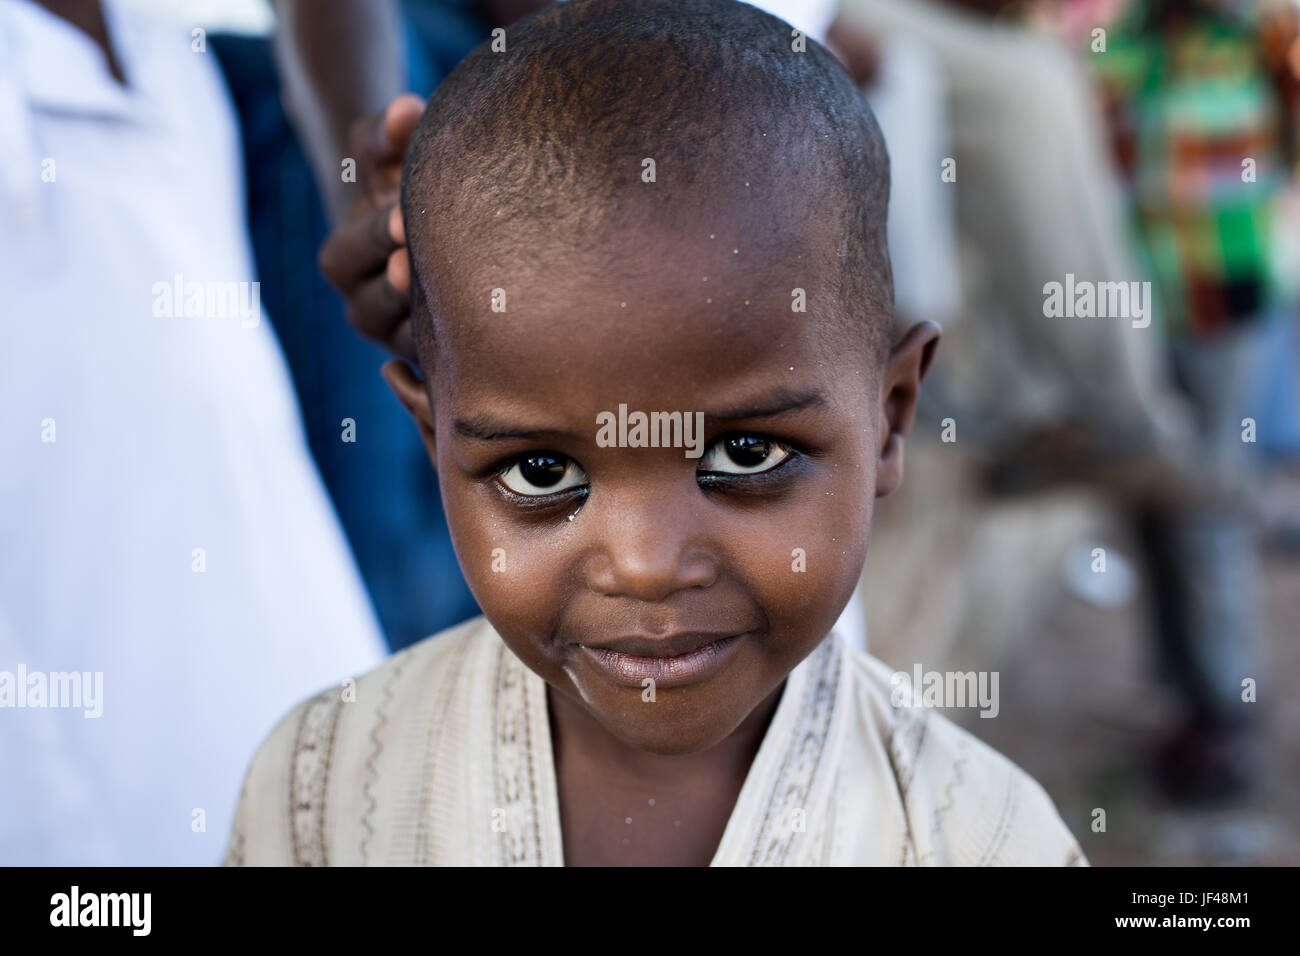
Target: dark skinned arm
x,y
339,61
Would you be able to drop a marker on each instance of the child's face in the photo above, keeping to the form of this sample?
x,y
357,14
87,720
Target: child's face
x,y
667,595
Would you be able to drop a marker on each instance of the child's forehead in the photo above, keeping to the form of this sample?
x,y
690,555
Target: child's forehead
x,y
714,255
705,295
548,372
653,298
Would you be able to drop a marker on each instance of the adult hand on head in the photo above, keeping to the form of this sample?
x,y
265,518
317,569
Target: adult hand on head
x,y
365,257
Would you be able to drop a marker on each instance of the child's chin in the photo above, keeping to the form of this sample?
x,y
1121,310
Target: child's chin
x,y
668,735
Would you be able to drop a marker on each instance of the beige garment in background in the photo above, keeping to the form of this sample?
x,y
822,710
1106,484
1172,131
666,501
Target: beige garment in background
x,y
444,758
1037,199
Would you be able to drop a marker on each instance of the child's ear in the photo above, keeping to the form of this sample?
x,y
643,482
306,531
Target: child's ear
x,y
410,391
909,360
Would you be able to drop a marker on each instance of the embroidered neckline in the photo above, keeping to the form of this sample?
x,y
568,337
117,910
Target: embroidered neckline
x,y
517,816
801,759
786,768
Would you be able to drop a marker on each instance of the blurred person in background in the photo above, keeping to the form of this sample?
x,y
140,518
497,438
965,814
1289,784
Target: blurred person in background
x,y
1055,400
372,462
1203,97
164,534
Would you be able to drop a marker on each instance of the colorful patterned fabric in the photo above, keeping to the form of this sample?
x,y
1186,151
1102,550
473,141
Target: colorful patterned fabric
x,y
1203,97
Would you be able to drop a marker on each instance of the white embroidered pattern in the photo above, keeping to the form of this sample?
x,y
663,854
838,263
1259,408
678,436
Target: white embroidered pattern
x,y
801,759
519,841
371,777
309,776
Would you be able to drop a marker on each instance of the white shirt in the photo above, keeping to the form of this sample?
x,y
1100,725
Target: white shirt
x,y
170,434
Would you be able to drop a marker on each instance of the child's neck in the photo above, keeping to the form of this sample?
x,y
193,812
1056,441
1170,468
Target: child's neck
x,y
575,731
678,805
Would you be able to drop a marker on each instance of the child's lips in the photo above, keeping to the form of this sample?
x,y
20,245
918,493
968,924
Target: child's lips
x,y
630,662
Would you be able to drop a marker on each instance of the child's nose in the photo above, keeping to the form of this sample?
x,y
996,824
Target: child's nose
x,y
650,549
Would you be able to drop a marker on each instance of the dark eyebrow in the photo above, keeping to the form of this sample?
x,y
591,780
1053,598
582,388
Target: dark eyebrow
x,y
482,428
777,403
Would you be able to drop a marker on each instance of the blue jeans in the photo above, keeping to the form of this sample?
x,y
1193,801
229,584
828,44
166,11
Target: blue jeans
x,y
382,485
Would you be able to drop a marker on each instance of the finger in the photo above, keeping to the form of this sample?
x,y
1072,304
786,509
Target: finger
x,y
401,117
357,250
379,142
382,137
399,271
376,309
397,226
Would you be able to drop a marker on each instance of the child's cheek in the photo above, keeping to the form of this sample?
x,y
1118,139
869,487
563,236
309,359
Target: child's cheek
x,y
495,566
812,573
502,571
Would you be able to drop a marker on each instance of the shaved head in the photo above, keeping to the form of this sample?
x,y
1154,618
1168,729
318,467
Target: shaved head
x,y
605,117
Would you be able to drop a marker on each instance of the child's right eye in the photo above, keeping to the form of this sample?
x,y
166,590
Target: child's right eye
x,y
543,474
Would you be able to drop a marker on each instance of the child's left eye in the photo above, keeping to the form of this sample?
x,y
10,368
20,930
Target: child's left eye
x,y
744,455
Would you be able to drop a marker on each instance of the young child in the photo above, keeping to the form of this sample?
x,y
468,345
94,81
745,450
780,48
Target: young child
x,y
656,206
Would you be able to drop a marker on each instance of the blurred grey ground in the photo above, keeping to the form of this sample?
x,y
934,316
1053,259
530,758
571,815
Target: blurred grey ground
x,y
956,580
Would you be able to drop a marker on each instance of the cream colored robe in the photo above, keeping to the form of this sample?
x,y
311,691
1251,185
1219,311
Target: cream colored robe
x,y
444,758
